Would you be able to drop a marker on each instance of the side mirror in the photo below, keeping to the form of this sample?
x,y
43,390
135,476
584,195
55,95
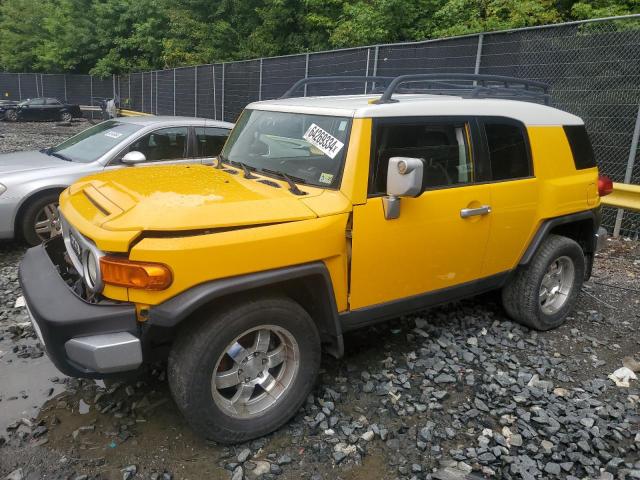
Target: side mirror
x,y
404,179
134,157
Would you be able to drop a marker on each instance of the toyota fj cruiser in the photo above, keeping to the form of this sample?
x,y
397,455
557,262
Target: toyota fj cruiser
x,y
322,215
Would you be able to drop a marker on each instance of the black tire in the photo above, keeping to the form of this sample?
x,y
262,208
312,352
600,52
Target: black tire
x,y
28,220
11,115
521,295
66,117
202,342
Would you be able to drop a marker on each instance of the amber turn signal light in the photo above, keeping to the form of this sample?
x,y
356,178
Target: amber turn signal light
x,y
125,273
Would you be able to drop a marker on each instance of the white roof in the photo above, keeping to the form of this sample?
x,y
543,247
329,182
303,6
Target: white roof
x,y
360,106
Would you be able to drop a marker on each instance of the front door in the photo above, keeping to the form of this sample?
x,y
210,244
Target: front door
x,y
440,238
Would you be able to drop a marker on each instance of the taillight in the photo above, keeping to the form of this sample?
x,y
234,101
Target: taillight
x,y
125,273
605,185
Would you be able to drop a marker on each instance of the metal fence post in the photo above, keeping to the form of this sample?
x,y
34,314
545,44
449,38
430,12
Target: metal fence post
x,y
260,82
375,64
633,151
35,75
113,84
151,92
142,92
195,92
215,109
476,69
306,72
156,90
64,77
174,91
19,87
366,73
222,93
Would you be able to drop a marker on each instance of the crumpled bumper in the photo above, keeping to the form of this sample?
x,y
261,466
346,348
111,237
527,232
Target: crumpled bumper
x,y
82,339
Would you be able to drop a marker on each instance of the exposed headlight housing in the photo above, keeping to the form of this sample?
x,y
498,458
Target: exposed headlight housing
x,y
91,270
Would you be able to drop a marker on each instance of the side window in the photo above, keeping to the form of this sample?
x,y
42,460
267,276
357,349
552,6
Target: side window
x,y
508,151
52,101
36,101
163,144
210,141
580,146
443,147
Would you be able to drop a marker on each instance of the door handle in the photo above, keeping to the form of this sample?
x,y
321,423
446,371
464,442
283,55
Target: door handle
x,y
472,212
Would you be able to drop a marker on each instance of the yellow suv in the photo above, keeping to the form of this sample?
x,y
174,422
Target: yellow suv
x,y
322,214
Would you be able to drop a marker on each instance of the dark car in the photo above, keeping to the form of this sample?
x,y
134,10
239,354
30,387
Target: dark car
x,y
43,108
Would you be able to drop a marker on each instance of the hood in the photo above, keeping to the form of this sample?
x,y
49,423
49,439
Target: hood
x,y
18,162
180,198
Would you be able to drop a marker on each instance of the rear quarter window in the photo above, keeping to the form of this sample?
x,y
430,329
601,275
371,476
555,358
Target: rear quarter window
x,y
580,146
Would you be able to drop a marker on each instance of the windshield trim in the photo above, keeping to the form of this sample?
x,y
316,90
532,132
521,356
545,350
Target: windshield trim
x,y
338,182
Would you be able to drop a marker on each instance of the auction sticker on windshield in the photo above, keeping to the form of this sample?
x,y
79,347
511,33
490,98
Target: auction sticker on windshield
x,y
113,134
323,140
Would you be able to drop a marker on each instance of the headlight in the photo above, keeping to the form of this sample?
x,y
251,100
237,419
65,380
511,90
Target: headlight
x,y
2,189
92,268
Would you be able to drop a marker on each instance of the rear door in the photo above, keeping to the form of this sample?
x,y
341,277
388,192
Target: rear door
x,y
440,238
208,143
51,109
508,170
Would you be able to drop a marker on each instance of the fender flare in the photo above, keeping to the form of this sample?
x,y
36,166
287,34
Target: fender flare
x,y
547,225
322,306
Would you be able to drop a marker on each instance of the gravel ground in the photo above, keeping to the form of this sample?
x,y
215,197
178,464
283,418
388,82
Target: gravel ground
x,y
453,392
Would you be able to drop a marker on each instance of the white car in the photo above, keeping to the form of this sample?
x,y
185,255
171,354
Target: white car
x,y
30,182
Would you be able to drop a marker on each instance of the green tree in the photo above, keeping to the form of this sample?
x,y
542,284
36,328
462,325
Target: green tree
x,y
69,33
21,33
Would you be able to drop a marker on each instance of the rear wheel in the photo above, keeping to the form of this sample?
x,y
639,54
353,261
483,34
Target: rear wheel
x,y
243,372
11,115
41,220
542,293
66,116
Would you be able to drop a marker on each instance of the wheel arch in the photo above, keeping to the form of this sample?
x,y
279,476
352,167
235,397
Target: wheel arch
x,y
26,201
580,227
308,284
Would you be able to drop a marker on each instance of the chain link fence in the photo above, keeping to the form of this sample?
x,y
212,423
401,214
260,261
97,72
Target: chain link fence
x,y
592,66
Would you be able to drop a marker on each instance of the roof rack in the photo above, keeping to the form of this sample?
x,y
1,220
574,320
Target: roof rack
x,y
339,79
475,85
468,84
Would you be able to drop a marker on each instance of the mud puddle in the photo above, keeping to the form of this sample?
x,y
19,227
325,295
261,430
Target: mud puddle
x,y
26,382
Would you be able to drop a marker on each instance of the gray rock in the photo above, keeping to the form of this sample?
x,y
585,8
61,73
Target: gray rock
x,y
244,455
552,468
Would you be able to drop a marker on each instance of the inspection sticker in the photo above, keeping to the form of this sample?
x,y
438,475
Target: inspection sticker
x,y
323,140
113,134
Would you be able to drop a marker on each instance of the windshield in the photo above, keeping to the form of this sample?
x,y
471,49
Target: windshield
x,y
310,148
91,144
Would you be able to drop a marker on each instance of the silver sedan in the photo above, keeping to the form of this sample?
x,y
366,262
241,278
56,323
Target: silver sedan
x,y
31,182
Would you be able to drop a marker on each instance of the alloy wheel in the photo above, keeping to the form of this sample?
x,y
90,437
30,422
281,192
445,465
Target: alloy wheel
x,y
47,224
255,370
556,285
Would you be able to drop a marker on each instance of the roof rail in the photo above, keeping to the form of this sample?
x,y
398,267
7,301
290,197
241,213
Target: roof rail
x,y
482,86
340,79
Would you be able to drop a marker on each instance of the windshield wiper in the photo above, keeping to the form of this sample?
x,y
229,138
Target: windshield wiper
x,y
247,171
221,159
293,188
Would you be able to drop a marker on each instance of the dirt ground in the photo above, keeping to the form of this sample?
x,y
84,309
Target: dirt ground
x,y
458,390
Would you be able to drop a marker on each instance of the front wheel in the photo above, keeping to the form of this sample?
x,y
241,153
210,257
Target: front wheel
x,y
244,371
66,117
11,115
41,220
541,294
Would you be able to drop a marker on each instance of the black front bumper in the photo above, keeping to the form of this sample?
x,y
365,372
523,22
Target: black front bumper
x,y
60,315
